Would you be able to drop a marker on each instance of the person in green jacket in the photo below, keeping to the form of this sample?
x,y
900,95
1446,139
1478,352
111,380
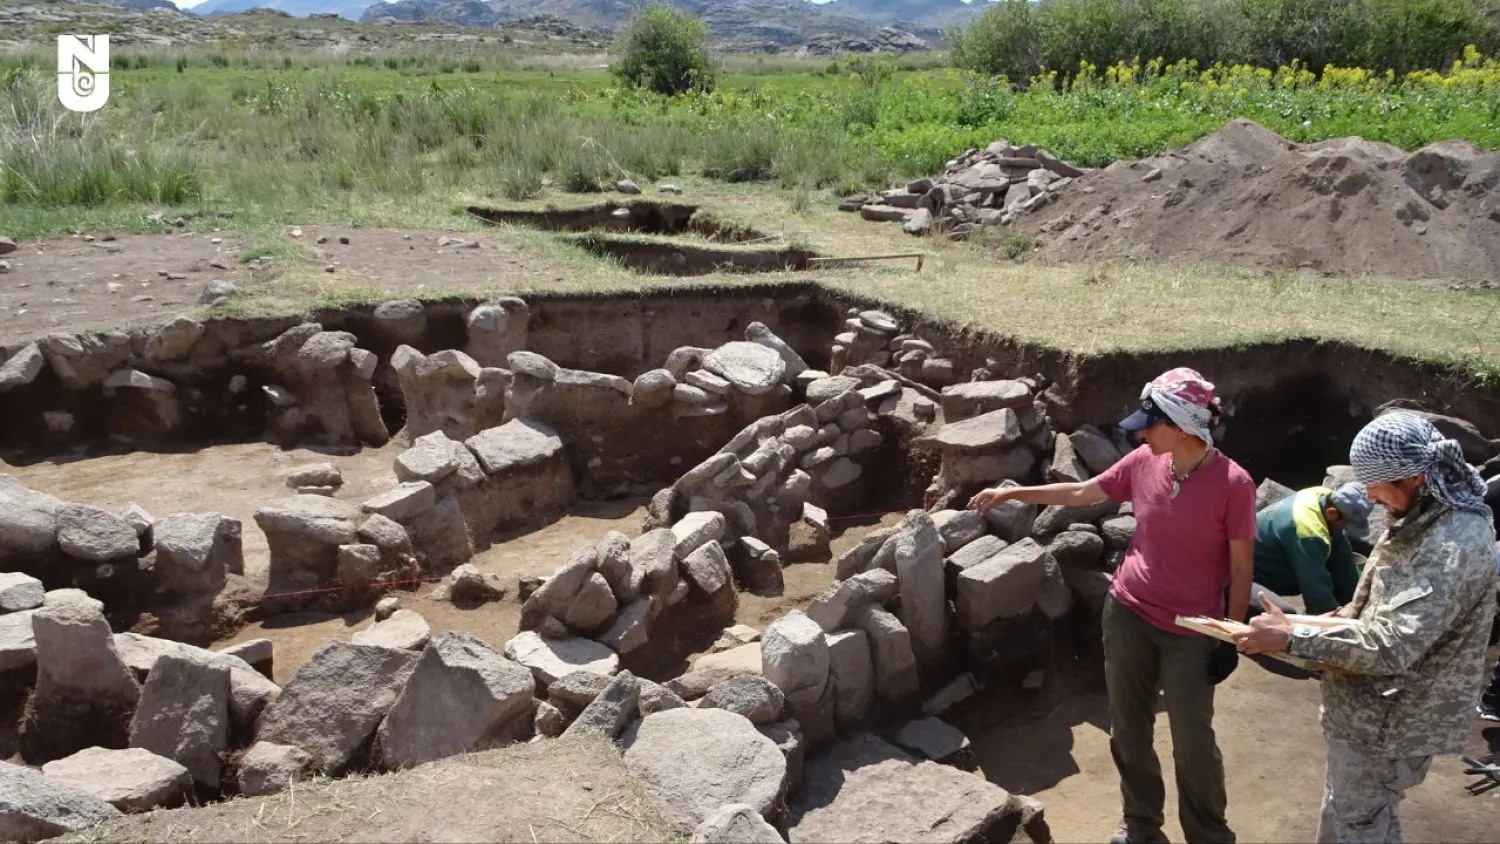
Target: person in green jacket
x,y
1302,546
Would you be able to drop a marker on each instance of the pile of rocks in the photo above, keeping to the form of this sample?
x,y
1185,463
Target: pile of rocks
x,y
980,188
619,591
317,385
188,554
875,338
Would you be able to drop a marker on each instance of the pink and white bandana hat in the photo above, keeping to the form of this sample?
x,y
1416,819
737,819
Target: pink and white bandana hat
x,y
1183,397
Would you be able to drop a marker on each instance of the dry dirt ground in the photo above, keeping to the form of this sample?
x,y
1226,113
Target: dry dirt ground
x,y
1267,725
237,479
1273,750
64,283
563,790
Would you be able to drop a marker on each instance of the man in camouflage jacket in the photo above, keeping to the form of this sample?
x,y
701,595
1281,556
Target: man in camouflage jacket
x,y
1412,666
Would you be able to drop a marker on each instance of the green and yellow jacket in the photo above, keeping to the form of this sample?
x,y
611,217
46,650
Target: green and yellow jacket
x,y
1297,553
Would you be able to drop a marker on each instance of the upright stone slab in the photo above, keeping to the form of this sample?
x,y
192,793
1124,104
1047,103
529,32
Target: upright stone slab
x,y
924,605
896,679
462,696
184,716
317,712
852,674
85,695
795,656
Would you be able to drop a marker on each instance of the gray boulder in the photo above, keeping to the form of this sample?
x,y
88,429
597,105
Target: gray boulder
x,y
462,696
833,608
919,800
269,768
89,533
20,592
195,551
614,707
404,630
131,780
794,655
27,519
736,823
693,761
550,659
184,716
317,713
34,807
83,687
756,698
250,691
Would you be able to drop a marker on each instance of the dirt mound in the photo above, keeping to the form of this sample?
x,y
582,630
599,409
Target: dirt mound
x,y
563,790
1247,195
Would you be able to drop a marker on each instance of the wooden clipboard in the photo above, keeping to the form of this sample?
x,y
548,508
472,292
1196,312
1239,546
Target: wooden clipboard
x,y
1224,629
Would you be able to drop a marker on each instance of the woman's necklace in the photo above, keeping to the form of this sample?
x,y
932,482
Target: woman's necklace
x,y
1179,480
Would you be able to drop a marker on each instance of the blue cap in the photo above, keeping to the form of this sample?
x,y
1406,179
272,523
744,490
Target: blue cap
x,y
1354,505
1148,415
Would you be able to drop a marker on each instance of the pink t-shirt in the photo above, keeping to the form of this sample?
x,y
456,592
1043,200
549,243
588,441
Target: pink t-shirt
x,y
1178,563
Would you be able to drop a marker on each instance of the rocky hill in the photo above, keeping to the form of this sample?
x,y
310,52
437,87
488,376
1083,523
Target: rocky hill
x,y
750,25
350,9
34,24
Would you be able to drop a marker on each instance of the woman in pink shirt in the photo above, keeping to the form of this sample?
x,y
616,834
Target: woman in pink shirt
x,y
1195,534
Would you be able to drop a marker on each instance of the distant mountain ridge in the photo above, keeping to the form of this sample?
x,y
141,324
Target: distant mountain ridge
x,y
744,24
749,24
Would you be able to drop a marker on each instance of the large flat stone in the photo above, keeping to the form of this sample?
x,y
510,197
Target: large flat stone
x,y
694,761
550,659
34,807
28,519
517,443
865,790
20,592
1001,587
131,780
990,432
751,367
962,401
89,533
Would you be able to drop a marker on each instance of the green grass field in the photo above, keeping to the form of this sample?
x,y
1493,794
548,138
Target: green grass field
x,y
408,145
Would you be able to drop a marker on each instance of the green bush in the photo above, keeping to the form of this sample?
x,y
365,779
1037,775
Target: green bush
x,y
666,50
1018,38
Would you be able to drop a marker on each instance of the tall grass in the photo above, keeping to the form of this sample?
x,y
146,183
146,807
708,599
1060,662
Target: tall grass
x,y
52,156
327,138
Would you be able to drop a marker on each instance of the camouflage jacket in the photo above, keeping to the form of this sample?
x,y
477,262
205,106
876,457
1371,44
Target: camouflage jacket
x,y
1425,604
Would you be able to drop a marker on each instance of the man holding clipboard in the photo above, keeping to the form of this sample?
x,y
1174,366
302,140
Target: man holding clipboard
x,y
1409,661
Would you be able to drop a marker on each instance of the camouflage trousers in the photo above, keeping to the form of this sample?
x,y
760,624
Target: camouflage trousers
x,y
1362,795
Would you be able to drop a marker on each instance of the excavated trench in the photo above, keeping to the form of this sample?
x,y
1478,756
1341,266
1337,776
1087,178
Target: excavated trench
x,y
639,217
216,424
661,238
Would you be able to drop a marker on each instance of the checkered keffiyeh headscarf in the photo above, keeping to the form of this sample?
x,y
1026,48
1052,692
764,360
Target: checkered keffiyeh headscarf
x,y
1398,446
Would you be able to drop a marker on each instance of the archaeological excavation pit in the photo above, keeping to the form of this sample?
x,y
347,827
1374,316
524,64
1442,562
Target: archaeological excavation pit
x,y
517,518
639,217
